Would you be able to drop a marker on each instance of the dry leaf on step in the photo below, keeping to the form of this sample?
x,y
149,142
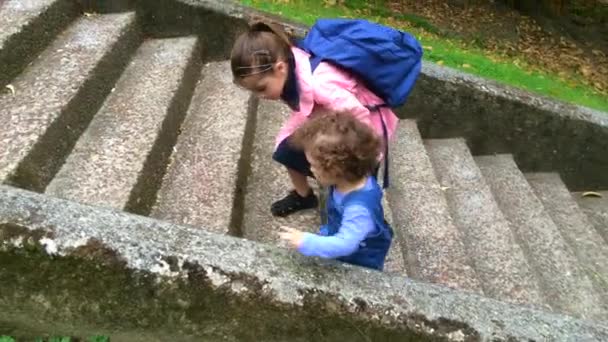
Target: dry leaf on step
x,y
11,88
591,194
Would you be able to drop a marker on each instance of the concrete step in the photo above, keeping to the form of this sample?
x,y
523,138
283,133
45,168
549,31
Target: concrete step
x,y
268,181
495,254
58,94
201,186
26,28
432,244
395,263
596,209
587,244
120,159
564,283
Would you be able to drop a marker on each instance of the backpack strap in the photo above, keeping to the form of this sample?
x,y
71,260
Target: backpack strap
x,y
376,108
314,62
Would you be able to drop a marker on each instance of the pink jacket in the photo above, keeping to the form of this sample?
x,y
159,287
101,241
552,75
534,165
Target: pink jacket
x,y
335,90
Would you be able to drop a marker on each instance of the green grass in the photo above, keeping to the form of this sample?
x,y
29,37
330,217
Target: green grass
x,y
99,339
444,51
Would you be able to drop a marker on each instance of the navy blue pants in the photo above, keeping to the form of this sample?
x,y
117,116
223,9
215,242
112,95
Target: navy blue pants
x,y
292,158
295,159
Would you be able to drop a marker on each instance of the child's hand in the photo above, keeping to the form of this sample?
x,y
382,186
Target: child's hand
x,y
324,230
292,236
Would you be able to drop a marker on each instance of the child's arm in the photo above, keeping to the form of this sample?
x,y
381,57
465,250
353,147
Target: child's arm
x,y
356,225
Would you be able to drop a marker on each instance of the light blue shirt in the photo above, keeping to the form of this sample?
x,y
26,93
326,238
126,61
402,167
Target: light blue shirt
x,y
357,223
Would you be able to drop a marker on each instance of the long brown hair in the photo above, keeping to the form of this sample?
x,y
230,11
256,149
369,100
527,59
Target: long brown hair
x,y
256,50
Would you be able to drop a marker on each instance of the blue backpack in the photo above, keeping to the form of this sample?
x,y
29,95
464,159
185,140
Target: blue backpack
x,y
386,59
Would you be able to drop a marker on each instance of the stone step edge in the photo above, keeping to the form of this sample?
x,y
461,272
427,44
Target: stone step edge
x,y
53,147
23,47
236,267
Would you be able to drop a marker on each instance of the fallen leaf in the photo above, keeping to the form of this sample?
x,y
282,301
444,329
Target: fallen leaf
x,y
11,88
585,70
440,62
507,36
466,65
592,194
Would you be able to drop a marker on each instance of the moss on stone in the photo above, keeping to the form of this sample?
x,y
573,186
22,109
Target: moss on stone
x,y
84,296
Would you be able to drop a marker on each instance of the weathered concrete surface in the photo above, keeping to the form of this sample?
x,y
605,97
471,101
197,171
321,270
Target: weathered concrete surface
x,y
120,159
107,6
542,134
26,28
596,210
201,185
586,243
236,11
563,281
268,182
58,94
395,261
496,256
433,245
162,18
128,273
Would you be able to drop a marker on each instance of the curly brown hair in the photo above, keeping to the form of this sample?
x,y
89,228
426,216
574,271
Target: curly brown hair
x,y
341,145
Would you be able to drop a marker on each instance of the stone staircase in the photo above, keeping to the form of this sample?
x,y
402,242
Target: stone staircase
x,y
101,115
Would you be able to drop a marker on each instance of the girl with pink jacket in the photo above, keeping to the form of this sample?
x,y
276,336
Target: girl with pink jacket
x,y
264,61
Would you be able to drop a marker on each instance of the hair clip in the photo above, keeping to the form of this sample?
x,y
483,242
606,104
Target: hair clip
x,y
261,52
264,68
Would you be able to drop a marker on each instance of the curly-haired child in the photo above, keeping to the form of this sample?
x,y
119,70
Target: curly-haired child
x,y
343,153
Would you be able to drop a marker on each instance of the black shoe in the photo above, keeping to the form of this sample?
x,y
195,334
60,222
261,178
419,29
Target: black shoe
x,y
292,203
